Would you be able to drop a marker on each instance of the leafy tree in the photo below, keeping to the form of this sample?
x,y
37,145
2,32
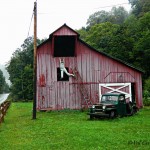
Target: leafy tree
x,y
20,69
98,17
100,35
83,33
116,16
2,80
142,45
4,88
147,92
147,87
27,82
140,7
111,39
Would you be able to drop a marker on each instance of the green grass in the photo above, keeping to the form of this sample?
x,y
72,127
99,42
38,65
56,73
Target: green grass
x,y
72,130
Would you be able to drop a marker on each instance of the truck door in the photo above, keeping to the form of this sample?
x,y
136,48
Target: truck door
x,y
121,106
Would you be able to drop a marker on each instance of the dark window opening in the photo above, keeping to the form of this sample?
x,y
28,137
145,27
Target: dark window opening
x,y
64,46
65,77
133,92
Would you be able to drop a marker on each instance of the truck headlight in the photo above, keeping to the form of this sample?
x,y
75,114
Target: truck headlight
x,y
93,106
104,107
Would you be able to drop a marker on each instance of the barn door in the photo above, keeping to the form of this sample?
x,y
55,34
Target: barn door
x,y
124,88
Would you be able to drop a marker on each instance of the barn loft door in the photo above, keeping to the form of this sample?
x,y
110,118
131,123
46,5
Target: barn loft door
x,y
64,46
124,88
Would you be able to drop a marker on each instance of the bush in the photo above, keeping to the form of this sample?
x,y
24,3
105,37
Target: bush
x,y
146,101
146,93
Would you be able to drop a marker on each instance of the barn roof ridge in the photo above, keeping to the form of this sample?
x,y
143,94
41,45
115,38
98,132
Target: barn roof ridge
x,y
64,25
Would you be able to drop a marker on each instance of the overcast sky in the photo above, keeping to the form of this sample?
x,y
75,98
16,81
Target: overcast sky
x,y
15,18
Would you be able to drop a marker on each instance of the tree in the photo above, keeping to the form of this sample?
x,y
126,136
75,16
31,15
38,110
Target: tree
x,y
2,80
116,16
20,68
83,33
142,45
140,7
107,37
98,17
146,92
27,82
112,39
4,88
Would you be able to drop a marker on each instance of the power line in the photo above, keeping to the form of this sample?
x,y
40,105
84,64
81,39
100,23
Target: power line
x,y
112,5
30,25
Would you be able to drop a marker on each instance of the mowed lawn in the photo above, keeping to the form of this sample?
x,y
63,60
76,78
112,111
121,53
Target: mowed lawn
x,y
72,130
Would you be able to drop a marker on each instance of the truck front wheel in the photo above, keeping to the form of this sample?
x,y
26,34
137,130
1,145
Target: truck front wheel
x,y
91,117
112,114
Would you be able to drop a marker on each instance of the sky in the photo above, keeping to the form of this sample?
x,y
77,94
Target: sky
x,y
16,16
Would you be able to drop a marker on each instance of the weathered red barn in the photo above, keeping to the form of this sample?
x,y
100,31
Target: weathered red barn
x,y
90,73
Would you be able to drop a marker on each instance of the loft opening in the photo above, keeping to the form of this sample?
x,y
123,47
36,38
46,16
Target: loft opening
x,y
64,46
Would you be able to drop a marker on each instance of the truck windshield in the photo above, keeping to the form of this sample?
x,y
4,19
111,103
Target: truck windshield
x,y
109,98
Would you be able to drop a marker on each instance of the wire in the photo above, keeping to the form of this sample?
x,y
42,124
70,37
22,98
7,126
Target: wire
x,y
30,25
112,5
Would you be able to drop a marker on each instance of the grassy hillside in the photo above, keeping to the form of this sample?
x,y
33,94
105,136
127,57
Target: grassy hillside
x,y
72,130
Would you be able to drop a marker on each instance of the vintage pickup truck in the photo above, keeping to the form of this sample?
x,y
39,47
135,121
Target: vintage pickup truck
x,y
112,105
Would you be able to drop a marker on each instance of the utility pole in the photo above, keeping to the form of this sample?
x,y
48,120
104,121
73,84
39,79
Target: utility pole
x,y
35,61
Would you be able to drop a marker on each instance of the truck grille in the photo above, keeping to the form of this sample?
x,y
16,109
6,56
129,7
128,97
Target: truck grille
x,y
98,107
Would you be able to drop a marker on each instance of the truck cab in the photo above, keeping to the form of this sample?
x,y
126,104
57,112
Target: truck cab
x,y
112,105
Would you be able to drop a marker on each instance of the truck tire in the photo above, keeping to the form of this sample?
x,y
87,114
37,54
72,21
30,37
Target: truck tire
x,y
112,114
131,109
91,117
135,109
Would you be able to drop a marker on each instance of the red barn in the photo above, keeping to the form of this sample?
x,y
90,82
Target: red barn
x,y
72,75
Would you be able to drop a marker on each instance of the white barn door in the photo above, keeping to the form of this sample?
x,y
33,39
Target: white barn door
x,y
124,88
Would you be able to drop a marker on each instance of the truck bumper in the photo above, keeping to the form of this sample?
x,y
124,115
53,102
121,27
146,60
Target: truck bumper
x,y
99,114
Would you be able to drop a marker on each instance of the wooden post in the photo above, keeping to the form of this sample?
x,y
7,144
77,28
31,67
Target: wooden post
x,y
35,60
3,109
2,113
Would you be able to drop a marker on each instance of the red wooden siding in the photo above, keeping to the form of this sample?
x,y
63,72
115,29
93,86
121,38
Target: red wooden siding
x,y
93,67
64,31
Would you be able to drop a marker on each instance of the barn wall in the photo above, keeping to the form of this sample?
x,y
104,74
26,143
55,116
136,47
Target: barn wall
x,y
97,68
93,67
64,31
52,93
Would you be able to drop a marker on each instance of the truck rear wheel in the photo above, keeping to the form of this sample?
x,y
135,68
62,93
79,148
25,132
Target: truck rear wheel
x,y
130,109
135,109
